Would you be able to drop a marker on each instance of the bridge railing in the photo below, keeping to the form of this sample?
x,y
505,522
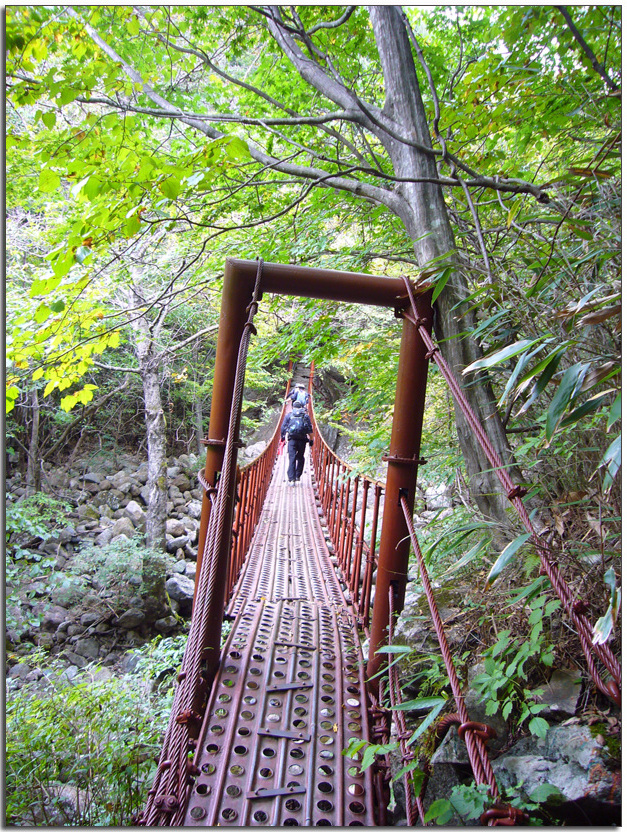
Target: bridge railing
x,y
351,503
253,481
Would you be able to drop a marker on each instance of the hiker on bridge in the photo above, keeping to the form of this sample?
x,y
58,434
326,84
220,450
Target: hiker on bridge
x,y
299,394
298,429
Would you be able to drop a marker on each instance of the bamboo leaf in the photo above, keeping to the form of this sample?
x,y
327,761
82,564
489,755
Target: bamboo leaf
x,y
612,462
501,355
419,704
566,392
615,411
505,557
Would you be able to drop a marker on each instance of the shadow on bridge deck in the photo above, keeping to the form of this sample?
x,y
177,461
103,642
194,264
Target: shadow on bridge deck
x,y
290,689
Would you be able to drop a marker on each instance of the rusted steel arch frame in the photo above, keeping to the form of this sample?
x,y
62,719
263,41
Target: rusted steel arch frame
x,y
346,287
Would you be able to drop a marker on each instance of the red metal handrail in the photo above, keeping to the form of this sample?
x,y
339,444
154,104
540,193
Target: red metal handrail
x,y
346,498
253,481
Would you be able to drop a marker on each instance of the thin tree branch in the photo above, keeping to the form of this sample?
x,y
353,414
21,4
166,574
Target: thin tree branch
x,y
586,49
333,24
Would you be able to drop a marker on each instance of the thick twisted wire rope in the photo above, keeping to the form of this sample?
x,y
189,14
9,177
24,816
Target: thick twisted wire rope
x,y
477,751
173,761
570,603
413,805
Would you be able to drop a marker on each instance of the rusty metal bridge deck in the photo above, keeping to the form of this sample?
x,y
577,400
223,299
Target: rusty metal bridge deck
x,y
290,689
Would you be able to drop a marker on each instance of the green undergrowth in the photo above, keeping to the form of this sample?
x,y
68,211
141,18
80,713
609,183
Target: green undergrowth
x,y
81,752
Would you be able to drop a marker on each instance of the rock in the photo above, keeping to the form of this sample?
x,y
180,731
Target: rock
x,y
570,759
131,619
129,663
181,482
105,511
194,509
45,640
35,675
89,618
123,526
174,527
92,477
53,617
180,588
69,673
104,538
75,630
173,471
88,511
561,695
19,671
173,544
67,535
165,625
438,496
89,648
190,570
75,658
114,499
136,514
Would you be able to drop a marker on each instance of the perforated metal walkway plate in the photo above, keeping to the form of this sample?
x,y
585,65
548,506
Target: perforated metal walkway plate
x,y
290,690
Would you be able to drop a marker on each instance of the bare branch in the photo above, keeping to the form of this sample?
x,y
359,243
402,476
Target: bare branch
x,y
333,24
586,49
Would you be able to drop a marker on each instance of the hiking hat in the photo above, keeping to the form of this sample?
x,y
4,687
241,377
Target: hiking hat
x,y
297,404
300,386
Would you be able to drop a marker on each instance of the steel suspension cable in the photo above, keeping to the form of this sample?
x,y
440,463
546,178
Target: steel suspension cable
x,y
175,771
575,607
474,734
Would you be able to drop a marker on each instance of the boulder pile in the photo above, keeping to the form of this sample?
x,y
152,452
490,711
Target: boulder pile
x,y
96,613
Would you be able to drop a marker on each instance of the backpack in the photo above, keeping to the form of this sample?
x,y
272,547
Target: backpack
x,y
301,397
296,428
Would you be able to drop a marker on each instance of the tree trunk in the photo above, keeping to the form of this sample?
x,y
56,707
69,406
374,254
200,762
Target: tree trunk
x,y
145,333
157,456
33,473
423,212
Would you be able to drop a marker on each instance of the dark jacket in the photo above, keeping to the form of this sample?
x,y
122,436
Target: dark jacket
x,y
307,426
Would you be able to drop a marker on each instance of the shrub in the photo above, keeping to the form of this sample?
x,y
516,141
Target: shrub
x,y
82,753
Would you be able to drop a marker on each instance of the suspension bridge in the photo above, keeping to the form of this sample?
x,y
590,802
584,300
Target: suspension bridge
x,y
258,728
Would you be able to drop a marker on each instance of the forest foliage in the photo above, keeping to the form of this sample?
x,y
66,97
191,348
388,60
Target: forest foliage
x,y
145,145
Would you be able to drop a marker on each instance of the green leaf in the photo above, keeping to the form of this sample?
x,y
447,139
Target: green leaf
x,y
505,557
82,253
441,283
426,722
49,181
42,313
237,149
615,411
542,793
584,409
132,25
566,392
419,704
612,462
440,811
49,119
68,402
538,727
395,648
170,187
468,557
501,355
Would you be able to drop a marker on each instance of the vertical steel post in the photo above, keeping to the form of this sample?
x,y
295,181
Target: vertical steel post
x,y
401,479
236,296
